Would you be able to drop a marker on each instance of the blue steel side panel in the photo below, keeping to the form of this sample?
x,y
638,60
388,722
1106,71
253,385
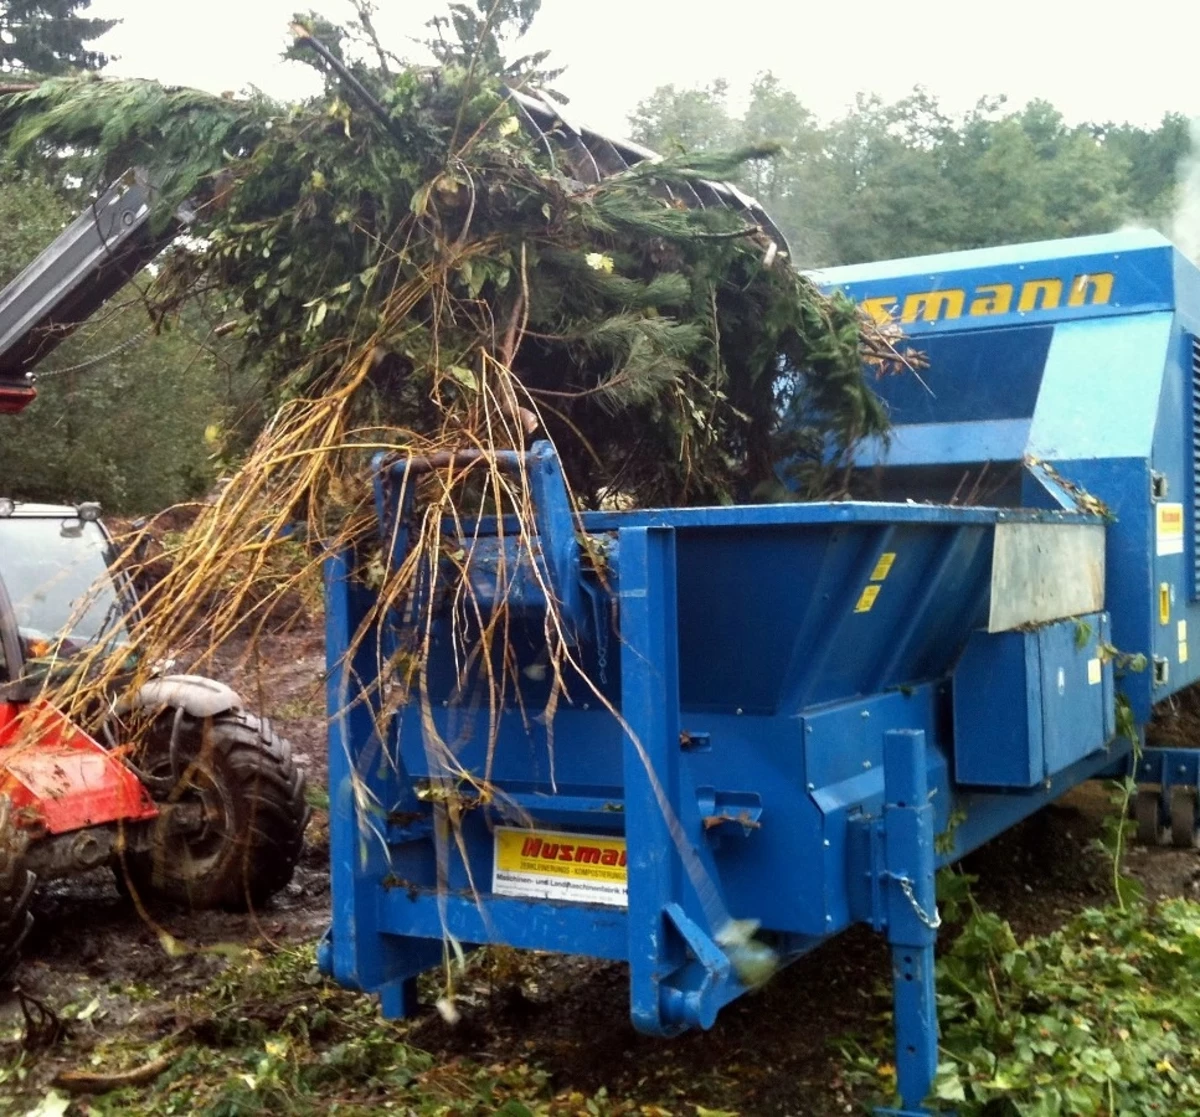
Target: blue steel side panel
x,y
1058,693
1101,389
1097,396
807,633
1174,458
969,379
1076,711
999,671
1124,486
998,440
1187,294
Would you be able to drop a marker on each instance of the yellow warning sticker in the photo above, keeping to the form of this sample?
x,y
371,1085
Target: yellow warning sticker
x,y
883,567
1094,672
867,598
1168,528
552,865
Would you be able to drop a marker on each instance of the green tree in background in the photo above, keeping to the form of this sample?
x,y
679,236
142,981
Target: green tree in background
x,y
49,37
906,178
136,431
1152,157
671,119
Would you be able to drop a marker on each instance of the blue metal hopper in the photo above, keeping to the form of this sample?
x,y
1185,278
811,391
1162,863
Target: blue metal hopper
x,y
762,729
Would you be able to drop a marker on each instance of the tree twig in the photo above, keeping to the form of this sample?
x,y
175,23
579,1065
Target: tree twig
x,y
90,1082
43,1026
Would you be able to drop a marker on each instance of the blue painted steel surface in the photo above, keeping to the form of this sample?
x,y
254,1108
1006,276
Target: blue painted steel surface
x,y
750,778
1057,676
779,708
1115,275
1101,384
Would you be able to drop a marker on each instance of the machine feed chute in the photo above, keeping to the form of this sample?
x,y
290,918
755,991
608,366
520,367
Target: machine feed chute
x,y
765,735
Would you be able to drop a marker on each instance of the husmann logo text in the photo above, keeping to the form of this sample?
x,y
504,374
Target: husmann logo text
x,y
566,851
1032,296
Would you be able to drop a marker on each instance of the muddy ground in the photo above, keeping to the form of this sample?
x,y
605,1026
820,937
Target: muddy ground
x,y
772,1053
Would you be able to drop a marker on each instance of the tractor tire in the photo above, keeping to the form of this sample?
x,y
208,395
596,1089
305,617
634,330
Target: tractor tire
x,y
253,808
1147,810
16,893
16,920
1183,817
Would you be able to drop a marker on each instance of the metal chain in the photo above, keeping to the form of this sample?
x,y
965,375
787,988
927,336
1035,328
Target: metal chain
x,y
602,653
600,619
91,362
907,888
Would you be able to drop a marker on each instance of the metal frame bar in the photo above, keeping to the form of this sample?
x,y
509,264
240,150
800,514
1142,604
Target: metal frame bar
x,y
650,706
911,904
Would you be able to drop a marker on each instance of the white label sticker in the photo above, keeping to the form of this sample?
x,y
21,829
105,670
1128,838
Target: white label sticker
x,y
1181,630
1168,532
1183,651
1094,673
550,865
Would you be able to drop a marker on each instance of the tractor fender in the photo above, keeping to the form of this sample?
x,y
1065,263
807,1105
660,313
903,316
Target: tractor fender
x,y
194,694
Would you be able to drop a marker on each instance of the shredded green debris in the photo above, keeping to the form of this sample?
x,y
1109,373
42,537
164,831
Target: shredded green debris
x,y
269,1035
1099,1017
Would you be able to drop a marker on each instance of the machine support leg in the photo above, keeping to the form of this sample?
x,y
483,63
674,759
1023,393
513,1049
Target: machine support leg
x,y
650,705
911,914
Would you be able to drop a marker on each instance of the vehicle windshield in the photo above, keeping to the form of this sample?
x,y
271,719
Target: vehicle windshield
x,y
57,577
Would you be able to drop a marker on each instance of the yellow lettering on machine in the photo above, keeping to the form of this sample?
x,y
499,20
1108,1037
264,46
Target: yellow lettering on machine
x,y
884,566
866,599
1036,296
554,865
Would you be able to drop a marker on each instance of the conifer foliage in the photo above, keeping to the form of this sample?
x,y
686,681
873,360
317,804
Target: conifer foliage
x,y
49,36
658,344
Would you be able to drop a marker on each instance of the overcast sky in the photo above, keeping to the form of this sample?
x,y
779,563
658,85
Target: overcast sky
x,y
1094,60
